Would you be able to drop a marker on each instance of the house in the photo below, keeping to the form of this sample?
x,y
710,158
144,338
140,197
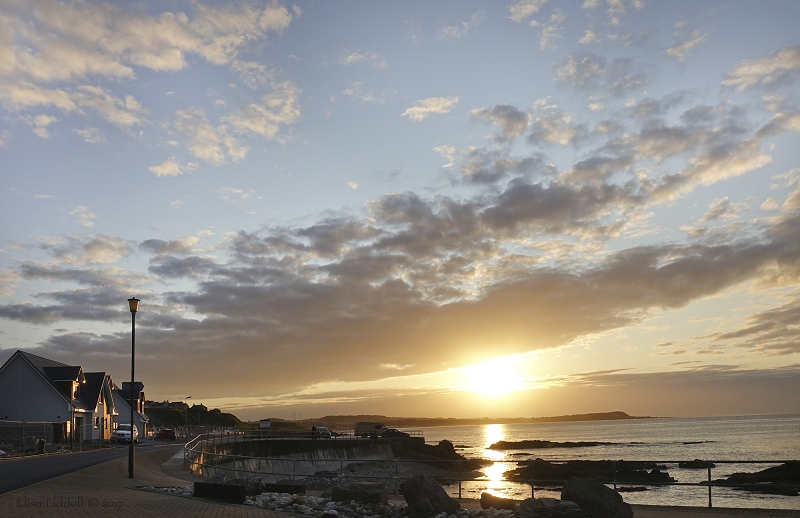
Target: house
x,y
122,402
79,404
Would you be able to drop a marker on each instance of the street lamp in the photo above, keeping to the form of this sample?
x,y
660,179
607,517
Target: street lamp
x,y
186,413
133,303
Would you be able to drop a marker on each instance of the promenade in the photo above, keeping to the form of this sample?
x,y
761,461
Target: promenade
x,y
104,490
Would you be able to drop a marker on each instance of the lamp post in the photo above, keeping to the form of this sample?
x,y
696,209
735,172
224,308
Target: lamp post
x,y
133,303
186,414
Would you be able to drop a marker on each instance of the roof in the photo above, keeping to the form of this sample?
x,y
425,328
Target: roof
x,y
65,373
53,371
90,391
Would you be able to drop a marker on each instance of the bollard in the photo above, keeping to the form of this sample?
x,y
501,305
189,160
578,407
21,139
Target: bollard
x,y
533,482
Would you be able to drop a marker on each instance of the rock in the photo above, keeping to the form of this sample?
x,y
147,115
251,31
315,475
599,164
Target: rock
x,y
253,485
548,508
696,464
595,499
489,500
365,492
426,498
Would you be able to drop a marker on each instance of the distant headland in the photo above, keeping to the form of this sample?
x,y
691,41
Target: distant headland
x,y
347,421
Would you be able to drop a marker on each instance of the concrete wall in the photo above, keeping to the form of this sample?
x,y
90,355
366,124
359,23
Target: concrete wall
x,y
218,460
26,396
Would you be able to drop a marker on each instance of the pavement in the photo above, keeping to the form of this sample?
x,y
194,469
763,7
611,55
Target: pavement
x,y
105,490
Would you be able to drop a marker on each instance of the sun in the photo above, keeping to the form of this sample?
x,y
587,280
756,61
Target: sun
x,y
493,378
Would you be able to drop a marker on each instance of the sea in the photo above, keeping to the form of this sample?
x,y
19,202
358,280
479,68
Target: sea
x,y
664,440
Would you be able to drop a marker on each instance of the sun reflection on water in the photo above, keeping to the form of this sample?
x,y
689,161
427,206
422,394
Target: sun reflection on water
x,y
494,473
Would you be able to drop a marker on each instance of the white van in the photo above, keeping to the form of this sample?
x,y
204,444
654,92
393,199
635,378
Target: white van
x,y
369,428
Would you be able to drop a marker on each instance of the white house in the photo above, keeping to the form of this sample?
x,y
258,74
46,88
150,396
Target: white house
x,y
122,402
79,404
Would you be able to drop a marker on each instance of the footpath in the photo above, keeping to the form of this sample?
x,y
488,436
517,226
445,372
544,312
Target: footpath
x,y
104,490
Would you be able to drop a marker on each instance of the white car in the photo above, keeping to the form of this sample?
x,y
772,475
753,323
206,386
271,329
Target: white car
x,y
123,433
323,433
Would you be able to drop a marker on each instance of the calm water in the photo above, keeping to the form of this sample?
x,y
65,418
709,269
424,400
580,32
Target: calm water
x,y
712,438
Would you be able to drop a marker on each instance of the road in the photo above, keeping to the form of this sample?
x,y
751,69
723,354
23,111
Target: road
x,y
16,474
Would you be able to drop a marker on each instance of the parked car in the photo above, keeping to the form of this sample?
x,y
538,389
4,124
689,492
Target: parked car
x,y
167,434
323,433
393,432
123,433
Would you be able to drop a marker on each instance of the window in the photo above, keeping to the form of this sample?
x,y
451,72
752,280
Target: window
x,y
97,422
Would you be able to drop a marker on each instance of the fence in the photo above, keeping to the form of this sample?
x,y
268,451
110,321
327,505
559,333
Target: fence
x,y
200,455
23,438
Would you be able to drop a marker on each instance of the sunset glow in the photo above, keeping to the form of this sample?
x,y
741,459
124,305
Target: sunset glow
x,y
497,377
519,208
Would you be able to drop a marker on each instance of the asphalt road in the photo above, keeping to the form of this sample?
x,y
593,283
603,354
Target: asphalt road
x,y
16,474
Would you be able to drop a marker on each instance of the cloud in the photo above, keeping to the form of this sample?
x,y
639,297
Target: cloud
x,y
352,185
615,8
511,121
525,8
764,71
681,50
485,167
557,127
8,282
458,31
84,216
73,40
253,74
278,108
91,135
206,142
123,113
85,250
432,105
552,30
589,71
353,58
178,246
230,194
40,124
167,168
355,92
177,203
722,208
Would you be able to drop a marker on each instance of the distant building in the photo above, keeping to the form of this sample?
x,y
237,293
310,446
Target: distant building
x,y
79,404
200,408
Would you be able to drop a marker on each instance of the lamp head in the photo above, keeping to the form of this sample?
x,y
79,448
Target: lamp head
x,y
134,304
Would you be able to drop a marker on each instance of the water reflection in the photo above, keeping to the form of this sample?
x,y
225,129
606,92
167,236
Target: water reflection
x,y
494,473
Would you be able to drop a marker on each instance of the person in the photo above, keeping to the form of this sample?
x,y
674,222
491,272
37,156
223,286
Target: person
x,y
313,432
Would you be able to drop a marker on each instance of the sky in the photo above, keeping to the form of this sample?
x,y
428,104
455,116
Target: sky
x,y
454,208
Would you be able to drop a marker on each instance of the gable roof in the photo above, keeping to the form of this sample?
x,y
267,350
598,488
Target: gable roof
x,y
53,372
91,391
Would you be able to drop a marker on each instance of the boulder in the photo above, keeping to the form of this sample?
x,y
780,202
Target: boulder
x,y
364,492
489,500
548,508
426,498
595,499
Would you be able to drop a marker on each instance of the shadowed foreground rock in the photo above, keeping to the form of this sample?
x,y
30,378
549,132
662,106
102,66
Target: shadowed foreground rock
x,y
426,498
595,499
489,500
365,492
548,508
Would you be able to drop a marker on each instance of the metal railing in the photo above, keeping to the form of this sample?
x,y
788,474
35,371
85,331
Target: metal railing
x,y
200,456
